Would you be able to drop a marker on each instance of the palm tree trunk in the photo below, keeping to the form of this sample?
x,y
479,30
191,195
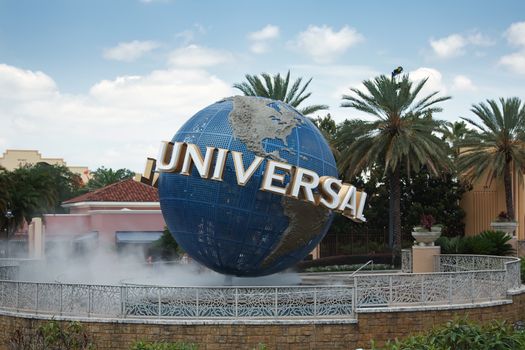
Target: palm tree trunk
x,y
394,224
507,179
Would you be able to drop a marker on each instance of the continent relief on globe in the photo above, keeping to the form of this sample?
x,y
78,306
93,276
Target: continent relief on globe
x,y
253,121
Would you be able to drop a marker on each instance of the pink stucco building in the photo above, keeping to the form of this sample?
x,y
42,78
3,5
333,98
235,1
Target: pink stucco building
x,y
124,213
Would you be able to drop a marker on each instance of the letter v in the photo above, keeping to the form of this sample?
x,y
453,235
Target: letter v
x,y
243,176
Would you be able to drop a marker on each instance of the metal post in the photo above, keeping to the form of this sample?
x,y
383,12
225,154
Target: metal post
x,y
315,301
236,302
352,304
471,286
197,302
355,300
60,299
123,301
17,296
450,288
90,300
390,291
422,289
276,313
159,304
37,290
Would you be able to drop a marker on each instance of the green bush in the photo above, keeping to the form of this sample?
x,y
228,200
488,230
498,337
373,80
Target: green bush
x,y
463,335
336,268
141,345
52,335
486,243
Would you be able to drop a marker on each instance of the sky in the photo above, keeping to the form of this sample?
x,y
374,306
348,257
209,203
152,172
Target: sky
x,y
101,83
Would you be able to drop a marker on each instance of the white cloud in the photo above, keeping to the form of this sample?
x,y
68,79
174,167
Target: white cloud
x,y
16,83
324,44
434,82
266,33
514,61
449,46
463,83
130,51
456,44
118,123
197,56
478,39
260,39
515,34
189,35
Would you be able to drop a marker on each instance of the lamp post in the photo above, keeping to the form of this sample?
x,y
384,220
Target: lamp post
x,y
8,215
395,73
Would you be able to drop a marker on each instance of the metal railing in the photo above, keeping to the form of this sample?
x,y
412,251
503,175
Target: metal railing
x,y
425,289
462,280
177,302
406,260
456,262
369,262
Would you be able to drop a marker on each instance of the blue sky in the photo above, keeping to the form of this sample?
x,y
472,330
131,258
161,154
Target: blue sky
x,y
102,82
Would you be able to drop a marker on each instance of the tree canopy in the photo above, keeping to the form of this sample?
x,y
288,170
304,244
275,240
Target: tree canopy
x,y
403,134
499,145
278,88
107,176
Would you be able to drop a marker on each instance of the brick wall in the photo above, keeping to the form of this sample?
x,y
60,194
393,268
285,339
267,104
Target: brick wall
x,y
379,326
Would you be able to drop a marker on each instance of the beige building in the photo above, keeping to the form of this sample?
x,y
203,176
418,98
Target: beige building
x,y
487,199
15,158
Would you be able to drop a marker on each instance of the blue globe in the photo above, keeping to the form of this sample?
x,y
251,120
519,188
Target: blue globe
x,y
241,230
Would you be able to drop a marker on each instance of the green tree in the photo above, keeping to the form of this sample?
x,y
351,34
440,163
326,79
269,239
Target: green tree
x,y
278,88
402,134
499,145
65,183
328,129
454,133
107,176
28,192
166,247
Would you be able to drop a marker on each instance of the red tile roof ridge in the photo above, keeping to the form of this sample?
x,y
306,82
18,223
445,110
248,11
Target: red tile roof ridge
x,y
122,191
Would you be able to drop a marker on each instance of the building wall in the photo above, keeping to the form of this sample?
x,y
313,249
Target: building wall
x,y
377,326
108,222
105,222
12,159
486,200
67,224
90,208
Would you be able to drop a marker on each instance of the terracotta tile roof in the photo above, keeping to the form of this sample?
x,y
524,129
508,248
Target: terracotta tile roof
x,y
123,191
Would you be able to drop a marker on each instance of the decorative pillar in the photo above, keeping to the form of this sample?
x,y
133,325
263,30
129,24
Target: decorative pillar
x,y
423,258
36,239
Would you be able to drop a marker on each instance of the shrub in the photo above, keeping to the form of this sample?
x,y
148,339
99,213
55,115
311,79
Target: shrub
x,y
52,335
498,243
454,245
141,345
486,243
335,268
463,335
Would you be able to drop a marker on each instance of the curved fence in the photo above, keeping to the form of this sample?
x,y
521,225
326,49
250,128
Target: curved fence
x,y
173,302
461,280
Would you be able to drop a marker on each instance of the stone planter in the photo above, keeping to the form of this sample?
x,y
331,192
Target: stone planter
x,y
509,227
426,238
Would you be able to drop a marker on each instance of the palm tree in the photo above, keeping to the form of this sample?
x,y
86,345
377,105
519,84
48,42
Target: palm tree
x,y
499,145
107,176
277,88
454,133
402,134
